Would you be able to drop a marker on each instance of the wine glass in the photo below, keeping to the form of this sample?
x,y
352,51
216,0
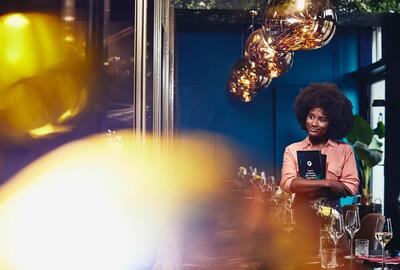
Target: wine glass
x,y
288,220
352,225
383,234
336,231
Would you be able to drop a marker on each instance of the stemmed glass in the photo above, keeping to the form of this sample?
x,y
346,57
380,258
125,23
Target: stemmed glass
x,y
384,234
336,231
352,225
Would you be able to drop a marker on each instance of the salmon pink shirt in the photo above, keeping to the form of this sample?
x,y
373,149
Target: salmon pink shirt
x,y
340,163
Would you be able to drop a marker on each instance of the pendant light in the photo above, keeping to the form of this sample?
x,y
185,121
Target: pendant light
x,y
263,59
290,25
244,75
240,92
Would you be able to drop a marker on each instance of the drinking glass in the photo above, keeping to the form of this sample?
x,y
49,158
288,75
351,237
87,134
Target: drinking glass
x,y
362,247
328,258
384,234
288,220
352,225
324,240
336,231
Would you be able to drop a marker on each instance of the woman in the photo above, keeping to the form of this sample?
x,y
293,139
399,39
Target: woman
x,y
326,114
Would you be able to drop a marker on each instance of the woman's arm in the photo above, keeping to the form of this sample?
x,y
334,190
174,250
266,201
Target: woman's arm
x,y
328,188
349,175
291,182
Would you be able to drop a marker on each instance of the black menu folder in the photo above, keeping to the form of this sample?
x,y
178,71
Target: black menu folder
x,y
312,164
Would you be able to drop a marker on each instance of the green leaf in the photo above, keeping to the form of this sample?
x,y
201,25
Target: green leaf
x,y
375,157
380,130
361,131
375,144
370,157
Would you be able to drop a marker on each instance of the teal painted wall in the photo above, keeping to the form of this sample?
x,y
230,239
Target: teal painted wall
x,y
264,127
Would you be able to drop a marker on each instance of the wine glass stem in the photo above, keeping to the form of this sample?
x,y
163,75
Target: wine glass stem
x,y
336,264
351,246
383,257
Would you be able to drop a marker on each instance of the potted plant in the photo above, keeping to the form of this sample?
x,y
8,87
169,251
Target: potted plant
x,y
368,152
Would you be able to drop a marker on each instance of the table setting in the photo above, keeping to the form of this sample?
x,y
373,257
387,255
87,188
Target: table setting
x,y
259,228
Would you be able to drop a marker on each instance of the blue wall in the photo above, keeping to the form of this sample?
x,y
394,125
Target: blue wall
x,y
262,128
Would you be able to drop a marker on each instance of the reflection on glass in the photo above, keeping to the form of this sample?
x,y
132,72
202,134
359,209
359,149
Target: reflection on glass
x,y
244,75
240,91
265,60
119,66
290,25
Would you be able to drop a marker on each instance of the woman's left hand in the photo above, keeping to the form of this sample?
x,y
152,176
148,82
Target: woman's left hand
x,y
336,188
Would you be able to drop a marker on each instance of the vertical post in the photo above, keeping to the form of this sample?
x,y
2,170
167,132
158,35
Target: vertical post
x,y
140,52
168,77
154,54
158,65
94,56
391,54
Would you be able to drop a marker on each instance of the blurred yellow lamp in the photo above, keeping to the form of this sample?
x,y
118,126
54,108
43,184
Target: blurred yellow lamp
x,y
43,76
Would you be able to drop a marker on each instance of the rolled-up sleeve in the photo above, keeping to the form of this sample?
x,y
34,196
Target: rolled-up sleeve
x,y
289,170
349,171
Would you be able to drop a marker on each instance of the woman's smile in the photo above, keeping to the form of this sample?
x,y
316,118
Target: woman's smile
x,y
317,123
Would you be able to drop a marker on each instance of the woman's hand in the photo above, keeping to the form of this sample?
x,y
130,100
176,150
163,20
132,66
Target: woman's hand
x,y
320,188
336,188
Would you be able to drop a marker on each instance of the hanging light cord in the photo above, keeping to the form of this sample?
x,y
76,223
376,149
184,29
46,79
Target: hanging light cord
x,y
253,13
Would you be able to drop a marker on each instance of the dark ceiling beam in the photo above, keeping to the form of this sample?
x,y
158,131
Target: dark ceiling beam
x,y
240,16
46,6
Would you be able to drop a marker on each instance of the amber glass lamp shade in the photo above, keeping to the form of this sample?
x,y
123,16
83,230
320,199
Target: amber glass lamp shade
x,y
290,25
244,75
263,59
240,92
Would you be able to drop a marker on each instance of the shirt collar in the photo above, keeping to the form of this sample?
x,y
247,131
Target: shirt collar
x,y
306,143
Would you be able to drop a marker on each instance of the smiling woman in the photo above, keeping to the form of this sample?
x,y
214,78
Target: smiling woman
x,y
326,114
317,123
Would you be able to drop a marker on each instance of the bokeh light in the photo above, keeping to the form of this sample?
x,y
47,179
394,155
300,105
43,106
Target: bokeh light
x,y
43,83
111,202
93,205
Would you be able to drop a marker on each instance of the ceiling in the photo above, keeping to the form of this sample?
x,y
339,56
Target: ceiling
x,y
208,11
237,12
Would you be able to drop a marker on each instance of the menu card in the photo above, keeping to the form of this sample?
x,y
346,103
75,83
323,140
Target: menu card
x,y
312,164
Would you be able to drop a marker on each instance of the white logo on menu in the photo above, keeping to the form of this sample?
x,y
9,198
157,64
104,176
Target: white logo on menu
x,y
309,163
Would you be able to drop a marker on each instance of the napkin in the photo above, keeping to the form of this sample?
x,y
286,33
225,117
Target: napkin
x,y
379,259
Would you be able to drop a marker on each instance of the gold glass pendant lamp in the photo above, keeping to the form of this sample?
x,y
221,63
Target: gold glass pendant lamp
x,y
263,59
290,25
243,74
240,92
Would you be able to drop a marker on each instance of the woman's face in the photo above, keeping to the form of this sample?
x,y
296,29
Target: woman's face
x,y
317,123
